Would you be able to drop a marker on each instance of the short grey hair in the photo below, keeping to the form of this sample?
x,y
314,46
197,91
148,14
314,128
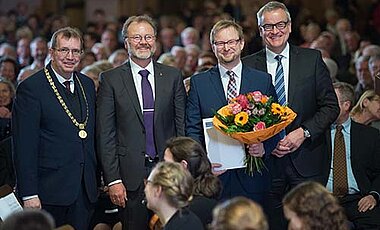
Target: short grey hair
x,y
271,6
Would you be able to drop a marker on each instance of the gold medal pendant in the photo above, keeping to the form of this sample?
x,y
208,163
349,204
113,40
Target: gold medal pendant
x,y
82,134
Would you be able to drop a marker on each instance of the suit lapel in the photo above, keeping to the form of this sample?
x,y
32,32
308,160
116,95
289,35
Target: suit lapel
x,y
262,61
159,87
293,76
129,84
246,82
216,82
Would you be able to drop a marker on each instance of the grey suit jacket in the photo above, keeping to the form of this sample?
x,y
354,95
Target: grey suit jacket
x,y
120,123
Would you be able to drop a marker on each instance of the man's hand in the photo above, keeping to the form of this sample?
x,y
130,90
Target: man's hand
x,y
366,203
256,150
118,194
33,203
290,143
215,171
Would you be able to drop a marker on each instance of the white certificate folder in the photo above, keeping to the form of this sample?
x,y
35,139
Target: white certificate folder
x,y
222,148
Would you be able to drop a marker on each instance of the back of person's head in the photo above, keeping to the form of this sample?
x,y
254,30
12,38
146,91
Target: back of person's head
x,y
176,183
189,152
369,95
239,213
316,207
29,220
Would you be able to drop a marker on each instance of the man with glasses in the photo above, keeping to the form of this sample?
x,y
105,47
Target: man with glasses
x,y
53,134
302,81
141,104
212,89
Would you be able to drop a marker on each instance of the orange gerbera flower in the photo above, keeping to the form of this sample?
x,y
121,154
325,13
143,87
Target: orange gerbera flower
x,y
241,118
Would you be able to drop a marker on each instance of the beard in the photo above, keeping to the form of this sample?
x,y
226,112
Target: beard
x,y
142,55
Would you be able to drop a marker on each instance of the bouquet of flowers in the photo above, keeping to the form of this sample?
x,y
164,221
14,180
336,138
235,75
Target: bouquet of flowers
x,y
253,118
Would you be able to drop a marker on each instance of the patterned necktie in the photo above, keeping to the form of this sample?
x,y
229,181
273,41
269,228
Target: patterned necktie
x,y
340,184
148,113
231,87
279,84
67,85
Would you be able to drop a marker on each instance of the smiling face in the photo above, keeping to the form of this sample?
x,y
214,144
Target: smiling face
x,y
140,50
275,39
228,54
64,63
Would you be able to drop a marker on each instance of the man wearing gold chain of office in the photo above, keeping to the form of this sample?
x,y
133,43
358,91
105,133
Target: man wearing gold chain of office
x,y
53,135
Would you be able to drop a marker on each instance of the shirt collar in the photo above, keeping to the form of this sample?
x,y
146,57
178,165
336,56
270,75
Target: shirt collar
x,y
237,70
271,55
62,79
346,125
136,68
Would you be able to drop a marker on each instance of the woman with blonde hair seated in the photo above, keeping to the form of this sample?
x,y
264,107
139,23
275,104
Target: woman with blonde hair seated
x,y
239,213
310,206
168,191
367,109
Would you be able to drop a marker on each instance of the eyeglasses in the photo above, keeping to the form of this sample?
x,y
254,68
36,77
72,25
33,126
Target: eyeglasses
x,y
279,25
137,38
65,51
230,43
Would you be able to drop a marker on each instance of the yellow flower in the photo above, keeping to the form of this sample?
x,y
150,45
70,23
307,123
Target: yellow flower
x,y
264,99
241,118
226,110
277,109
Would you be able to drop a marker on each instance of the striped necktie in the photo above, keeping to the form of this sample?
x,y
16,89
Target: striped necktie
x,y
279,84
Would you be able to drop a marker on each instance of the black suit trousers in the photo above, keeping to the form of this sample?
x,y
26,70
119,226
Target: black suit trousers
x,y
284,178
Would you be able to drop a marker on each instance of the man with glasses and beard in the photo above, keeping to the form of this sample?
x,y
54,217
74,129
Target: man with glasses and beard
x,y
140,105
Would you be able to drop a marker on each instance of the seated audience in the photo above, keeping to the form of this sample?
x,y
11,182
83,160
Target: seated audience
x,y
118,57
93,71
365,81
353,164
31,219
167,59
207,187
7,93
367,109
168,191
239,213
9,69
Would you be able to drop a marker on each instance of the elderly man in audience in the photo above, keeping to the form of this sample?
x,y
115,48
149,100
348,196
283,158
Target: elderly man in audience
x,y
365,81
39,52
352,170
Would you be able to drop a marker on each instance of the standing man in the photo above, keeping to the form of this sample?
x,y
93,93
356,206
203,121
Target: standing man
x,y
140,105
303,82
212,89
53,133
353,167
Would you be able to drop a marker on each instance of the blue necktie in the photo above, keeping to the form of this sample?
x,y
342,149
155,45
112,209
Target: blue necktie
x,y
148,113
279,84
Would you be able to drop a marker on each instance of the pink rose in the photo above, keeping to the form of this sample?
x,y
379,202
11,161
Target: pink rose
x,y
257,96
236,108
259,126
243,101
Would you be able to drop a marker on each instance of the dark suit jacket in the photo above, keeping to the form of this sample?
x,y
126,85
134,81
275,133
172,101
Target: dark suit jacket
x,y
365,160
48,153
312,97
207,95
120,123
